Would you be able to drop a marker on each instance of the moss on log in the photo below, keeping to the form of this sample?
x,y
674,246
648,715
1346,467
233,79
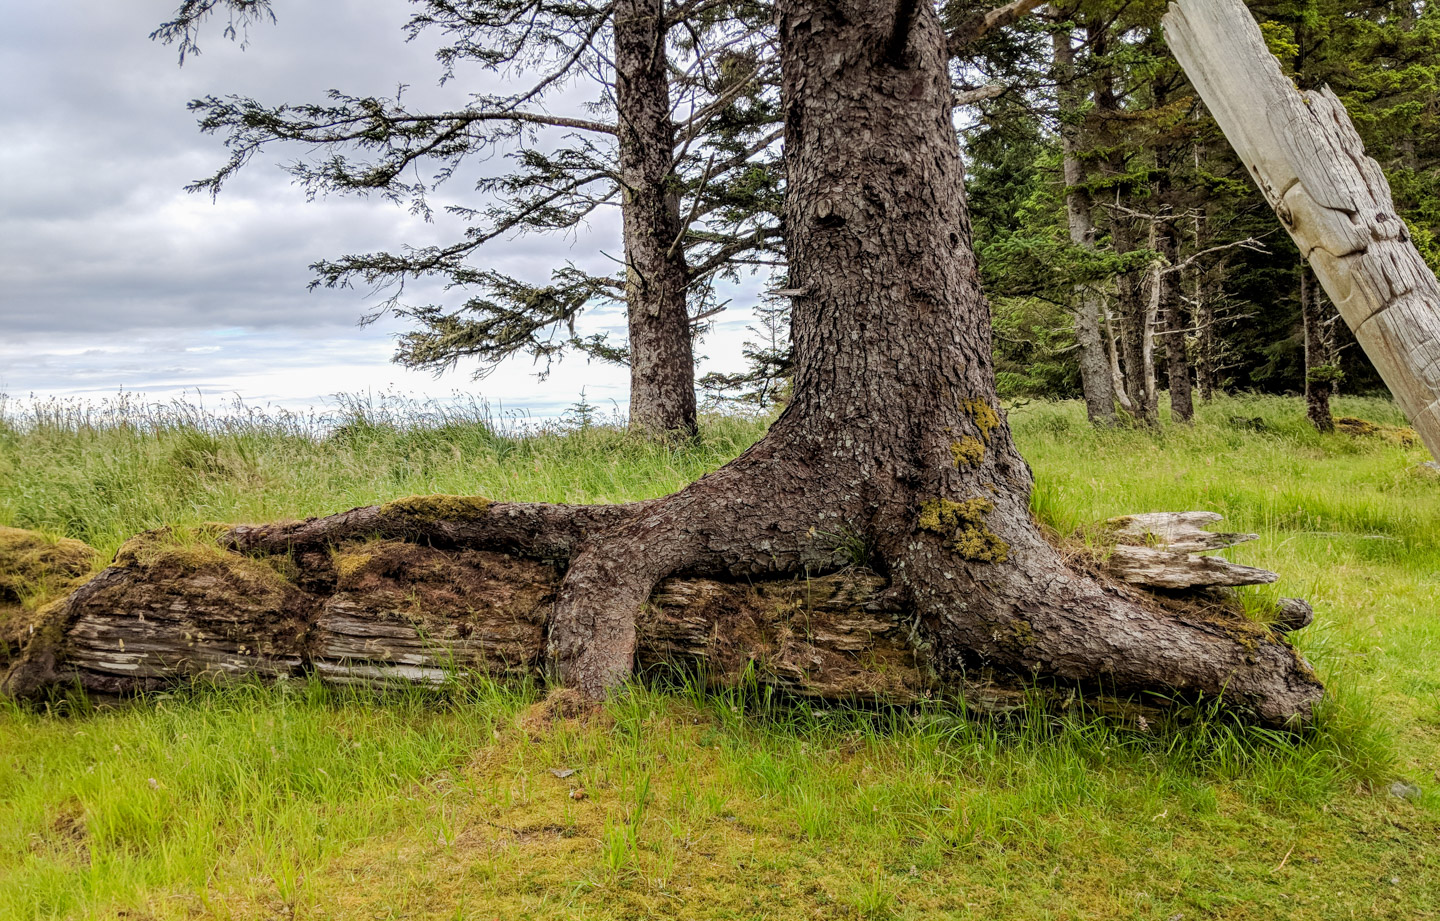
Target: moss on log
x,y
371,611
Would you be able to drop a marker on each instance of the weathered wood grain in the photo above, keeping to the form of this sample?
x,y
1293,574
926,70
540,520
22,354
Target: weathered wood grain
x,y
1309,162
1160,550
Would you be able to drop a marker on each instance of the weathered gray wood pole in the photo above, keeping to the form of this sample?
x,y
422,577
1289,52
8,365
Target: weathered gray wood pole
x,y
1311,166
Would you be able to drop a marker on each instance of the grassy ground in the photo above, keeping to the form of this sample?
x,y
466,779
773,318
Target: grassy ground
x,y
304,802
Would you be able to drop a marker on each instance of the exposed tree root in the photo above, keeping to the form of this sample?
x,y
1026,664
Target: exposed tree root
x,y
892,451
374,610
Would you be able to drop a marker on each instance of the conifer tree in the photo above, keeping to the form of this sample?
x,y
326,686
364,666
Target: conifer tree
x,y
680,137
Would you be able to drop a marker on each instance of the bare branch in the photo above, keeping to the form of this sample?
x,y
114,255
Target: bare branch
x,y
978,26
980,94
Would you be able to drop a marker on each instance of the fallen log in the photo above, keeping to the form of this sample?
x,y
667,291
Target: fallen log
x,y
377,611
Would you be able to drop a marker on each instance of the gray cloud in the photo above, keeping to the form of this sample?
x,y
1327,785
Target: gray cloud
x,y
114,277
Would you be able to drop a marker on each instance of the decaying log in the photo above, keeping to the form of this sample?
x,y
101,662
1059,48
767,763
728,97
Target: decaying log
x,y
1309,162
390,612
1160,550
1160,568
375,611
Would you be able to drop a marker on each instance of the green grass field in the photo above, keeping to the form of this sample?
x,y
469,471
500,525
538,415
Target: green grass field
x,y
303,802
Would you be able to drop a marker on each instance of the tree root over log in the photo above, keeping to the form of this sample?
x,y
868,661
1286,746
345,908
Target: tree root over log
x,y
394,595
892,451
376,611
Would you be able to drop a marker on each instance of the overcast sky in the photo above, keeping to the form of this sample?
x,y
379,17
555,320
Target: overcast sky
x,y
114,278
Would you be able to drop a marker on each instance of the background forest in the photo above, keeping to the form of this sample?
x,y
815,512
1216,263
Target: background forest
x,y
1096,172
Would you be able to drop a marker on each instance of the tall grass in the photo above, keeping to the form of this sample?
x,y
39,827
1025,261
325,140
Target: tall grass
x,y
102,473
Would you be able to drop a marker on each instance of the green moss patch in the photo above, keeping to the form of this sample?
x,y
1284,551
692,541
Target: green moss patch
x,y
350,563
963,526
967,452
440,507
984,416
1364,428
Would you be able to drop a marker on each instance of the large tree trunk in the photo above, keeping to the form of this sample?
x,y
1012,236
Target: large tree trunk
x,y
892,448
662,361
1320,367
1095,377
1307,159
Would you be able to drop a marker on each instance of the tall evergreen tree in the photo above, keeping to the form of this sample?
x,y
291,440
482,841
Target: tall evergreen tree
x,y
681,137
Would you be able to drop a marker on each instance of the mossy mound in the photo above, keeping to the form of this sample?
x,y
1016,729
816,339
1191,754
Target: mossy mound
x,y
34,569
32,564
167,554
1364,428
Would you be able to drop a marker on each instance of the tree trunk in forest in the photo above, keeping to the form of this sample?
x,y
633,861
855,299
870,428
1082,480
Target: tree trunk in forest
x,y
892,447
1132,304
1320,362
1095,377
1308,161
1172,318
1207,374
1112,353
662,360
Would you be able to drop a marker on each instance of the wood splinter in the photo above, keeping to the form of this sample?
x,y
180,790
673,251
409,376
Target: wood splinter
x,y
1161,551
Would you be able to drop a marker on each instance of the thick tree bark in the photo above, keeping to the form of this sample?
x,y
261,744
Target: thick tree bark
x,y
1319,361
892,448
1310,164
662,360
1095,376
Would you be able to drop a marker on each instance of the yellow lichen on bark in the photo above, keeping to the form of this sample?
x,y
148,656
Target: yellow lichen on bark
x,y
984,416
962,524
967,452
